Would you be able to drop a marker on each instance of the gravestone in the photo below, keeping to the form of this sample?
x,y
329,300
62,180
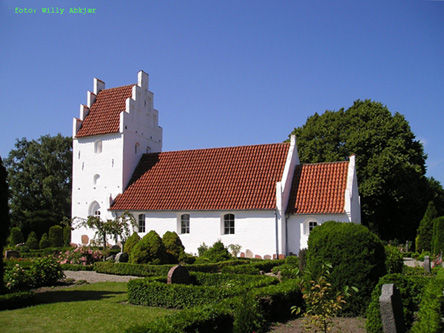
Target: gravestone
x,y
249,254
178,274
392,315
427,264
12,254
85,239
122,257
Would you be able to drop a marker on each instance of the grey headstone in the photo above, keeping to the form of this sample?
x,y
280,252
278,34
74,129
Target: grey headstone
x,y
249,254
122,257
12,254
178,274
427,264
392,315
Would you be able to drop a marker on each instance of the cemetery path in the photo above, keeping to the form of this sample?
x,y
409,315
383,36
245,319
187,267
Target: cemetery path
x,y
92,277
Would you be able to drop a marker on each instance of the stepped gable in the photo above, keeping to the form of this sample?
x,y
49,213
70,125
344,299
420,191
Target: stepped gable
x,y
104,114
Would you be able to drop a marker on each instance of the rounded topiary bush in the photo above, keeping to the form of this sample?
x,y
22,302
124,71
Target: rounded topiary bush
x,y
218,252
67,235
173,246
44,243
394,260
55,236
357,256
32,241
131,242
15,236
150,250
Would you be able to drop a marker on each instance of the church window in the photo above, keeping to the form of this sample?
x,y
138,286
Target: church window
x,y
79,155
148,149
96,179
98,146
228,224
185,224
309,225
94,209
136,148
141,224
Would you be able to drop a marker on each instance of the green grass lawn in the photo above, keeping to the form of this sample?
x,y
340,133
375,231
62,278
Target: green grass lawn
x,y
98,307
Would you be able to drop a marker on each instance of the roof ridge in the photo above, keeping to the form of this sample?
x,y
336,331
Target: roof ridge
x,y
218,148
125,86
335,162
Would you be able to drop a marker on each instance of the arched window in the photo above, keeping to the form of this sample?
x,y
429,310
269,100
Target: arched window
x,y
98,146
185,224
136,148
309,225
94,209
228,224
141,224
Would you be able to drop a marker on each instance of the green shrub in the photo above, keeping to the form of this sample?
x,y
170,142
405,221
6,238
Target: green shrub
x,y
357,256
131,269
292,261
150,250
425,230
410,288
241,269
247,313
429,315
17,300
55,236
438,235
202,249
394,260
32,242
44,242
423,255
15,236
174,247
218,252
302,259
66,235
207,318
131,242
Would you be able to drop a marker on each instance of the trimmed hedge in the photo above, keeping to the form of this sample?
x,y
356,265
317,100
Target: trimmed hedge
x,y
207,289
206,318
394,261
73,267
411,289
151,270
429,315
357,256
17,300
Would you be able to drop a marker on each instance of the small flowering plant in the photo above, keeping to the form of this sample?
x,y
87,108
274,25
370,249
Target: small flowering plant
x,y
83,255
437,261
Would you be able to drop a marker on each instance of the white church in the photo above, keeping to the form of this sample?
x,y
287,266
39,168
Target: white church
x,y
259,196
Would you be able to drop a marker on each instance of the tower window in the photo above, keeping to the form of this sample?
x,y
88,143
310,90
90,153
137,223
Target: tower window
x,y
96,179
136,148
98,146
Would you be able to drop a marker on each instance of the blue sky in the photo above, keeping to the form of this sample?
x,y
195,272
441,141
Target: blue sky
x,y
225,73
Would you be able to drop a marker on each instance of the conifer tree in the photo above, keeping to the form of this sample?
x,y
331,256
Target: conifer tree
x,y
425,230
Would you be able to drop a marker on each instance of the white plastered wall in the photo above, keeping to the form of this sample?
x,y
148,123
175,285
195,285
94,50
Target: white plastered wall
x,y
254,230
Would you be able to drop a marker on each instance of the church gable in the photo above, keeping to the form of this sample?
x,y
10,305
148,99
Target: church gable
x,y
233,178
318,188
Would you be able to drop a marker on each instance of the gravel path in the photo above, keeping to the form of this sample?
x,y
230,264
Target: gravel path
x,y
92,277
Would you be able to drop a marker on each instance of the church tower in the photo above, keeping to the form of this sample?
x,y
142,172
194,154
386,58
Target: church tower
x,y
115,128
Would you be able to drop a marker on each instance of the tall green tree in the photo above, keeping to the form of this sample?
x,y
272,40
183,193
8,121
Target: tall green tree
x,y
425,230
39,177
390,163
4,216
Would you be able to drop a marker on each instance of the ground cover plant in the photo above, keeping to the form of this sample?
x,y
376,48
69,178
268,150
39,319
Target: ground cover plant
x,y
98,307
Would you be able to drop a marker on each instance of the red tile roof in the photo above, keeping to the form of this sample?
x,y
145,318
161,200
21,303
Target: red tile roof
x,y
234,178
318,188
104,115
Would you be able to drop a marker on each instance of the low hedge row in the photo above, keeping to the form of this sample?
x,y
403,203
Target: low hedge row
x,y
411,289
430,309
206,318
151,270
72,267
207,289
17,300
243,313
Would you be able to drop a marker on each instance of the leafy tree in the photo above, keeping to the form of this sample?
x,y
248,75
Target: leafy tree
x,y
390,163
117,227
218,252
32,241
4,216
39,177
150,250
173,246
425,230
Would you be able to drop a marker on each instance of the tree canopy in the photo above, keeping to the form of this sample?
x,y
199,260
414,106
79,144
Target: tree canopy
x,y
390,163
4,215
39,177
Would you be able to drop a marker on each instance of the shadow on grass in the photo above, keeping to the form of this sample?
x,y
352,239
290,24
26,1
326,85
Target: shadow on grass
x,y
74,296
